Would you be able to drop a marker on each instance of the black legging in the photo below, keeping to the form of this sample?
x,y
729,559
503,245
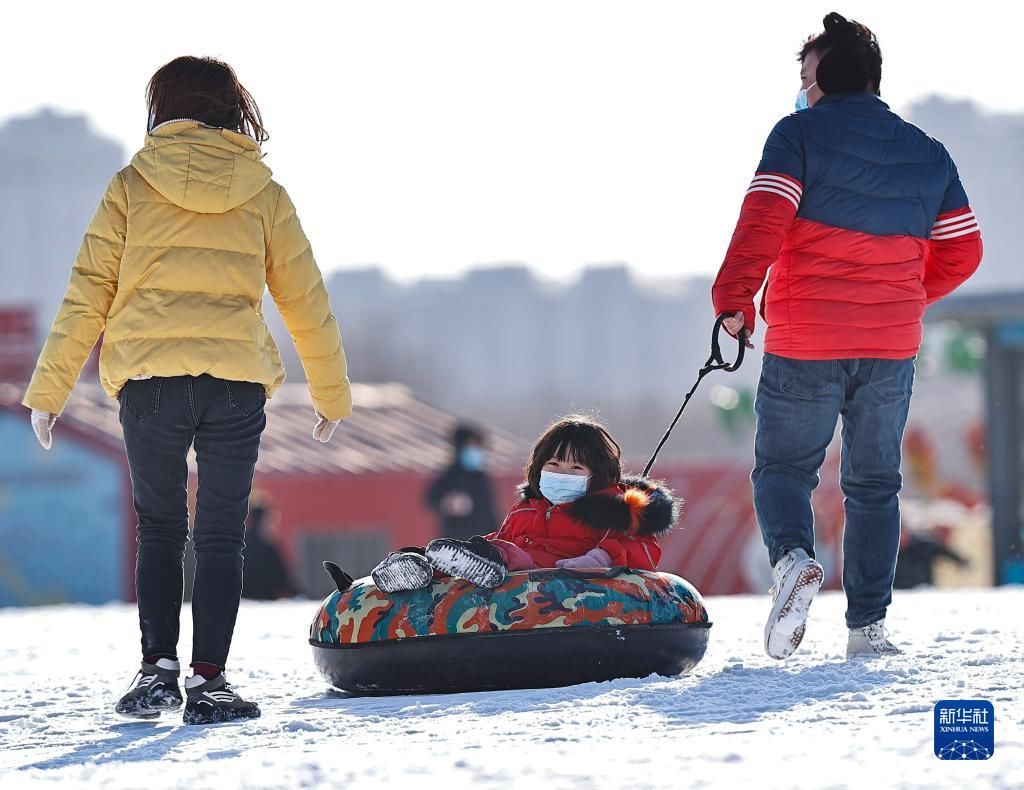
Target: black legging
x,y
162,418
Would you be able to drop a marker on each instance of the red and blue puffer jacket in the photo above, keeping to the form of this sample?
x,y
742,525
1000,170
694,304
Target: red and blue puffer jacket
x,y
863,221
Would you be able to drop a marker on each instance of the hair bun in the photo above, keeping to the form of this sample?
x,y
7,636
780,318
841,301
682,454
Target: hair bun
x,y
838,26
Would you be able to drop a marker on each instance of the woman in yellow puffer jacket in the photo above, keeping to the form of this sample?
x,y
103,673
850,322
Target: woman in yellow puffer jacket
x,y
172,271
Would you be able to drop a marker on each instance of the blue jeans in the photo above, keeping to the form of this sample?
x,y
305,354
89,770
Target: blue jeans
x,y
162,418
798,404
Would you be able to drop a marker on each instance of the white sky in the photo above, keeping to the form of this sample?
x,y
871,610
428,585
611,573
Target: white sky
x,y
429,137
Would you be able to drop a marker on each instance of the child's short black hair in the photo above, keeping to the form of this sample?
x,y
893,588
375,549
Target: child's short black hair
x,y
583,439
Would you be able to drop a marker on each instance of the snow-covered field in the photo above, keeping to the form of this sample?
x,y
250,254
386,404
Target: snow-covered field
x,y
740,720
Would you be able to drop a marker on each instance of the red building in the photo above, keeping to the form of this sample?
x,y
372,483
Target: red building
x,y
350,500
18,348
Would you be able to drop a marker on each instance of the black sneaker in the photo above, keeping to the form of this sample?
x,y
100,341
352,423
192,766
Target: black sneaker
x,y
405,569
154,689
214,701
474,560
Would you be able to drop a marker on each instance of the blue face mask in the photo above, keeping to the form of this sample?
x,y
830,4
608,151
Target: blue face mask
x,y
472,458
559,489
801,97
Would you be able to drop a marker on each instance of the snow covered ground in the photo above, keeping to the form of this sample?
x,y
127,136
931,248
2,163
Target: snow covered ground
x,y
739,720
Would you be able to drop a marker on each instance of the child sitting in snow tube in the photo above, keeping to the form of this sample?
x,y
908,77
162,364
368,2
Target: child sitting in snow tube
x,y
577,511
564,592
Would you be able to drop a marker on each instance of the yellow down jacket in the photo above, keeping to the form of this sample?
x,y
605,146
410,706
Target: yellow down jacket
x,y
172,271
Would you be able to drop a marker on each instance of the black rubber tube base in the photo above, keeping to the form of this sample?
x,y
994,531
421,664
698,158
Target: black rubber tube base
x,y
544,658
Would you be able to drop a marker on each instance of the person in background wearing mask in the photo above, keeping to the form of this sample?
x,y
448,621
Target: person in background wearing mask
x,y
863,221
462,496
577,511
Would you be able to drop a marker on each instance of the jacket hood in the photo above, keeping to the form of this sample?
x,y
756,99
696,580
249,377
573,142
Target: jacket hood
x,y
202,168
638,506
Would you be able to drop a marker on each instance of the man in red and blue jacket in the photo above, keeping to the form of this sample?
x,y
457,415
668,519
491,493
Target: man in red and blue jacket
x,y
860,221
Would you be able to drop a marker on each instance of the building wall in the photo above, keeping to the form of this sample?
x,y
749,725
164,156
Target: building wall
x,y
353,521
63,519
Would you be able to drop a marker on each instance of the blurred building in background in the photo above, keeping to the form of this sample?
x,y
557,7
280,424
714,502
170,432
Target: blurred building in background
x,y
988,149
18,343
53,170
67,525
507,347
1000,317
63,513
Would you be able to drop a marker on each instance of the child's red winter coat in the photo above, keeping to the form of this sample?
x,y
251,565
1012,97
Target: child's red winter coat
x,y
624,520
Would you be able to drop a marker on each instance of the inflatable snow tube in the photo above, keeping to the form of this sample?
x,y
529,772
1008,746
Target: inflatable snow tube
x,y
539,629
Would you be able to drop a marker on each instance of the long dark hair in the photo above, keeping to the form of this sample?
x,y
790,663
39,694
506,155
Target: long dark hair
x,y
205,90
583,439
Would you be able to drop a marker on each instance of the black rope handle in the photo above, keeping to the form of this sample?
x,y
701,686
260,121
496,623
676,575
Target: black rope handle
x,y
716,348
715,362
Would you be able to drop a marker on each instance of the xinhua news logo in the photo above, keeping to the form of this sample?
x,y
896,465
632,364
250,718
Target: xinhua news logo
x,y
964,729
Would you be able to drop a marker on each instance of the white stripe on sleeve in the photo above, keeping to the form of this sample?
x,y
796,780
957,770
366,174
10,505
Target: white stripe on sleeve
x,y
953,234
970,223
786,194
772,180
953,220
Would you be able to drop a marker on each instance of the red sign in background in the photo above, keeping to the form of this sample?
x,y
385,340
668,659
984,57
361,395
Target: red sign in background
x,y
18,347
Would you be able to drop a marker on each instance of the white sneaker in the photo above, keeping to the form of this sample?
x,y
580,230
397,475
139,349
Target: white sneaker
x,y
870,640
798,578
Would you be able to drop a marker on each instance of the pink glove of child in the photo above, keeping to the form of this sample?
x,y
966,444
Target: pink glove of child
x,y
595,558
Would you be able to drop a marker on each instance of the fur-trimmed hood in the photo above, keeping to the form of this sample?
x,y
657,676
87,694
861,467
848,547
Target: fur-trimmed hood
x,y
638,506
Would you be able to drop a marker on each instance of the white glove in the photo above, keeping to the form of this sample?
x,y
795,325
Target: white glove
x,y
42,425
324,429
